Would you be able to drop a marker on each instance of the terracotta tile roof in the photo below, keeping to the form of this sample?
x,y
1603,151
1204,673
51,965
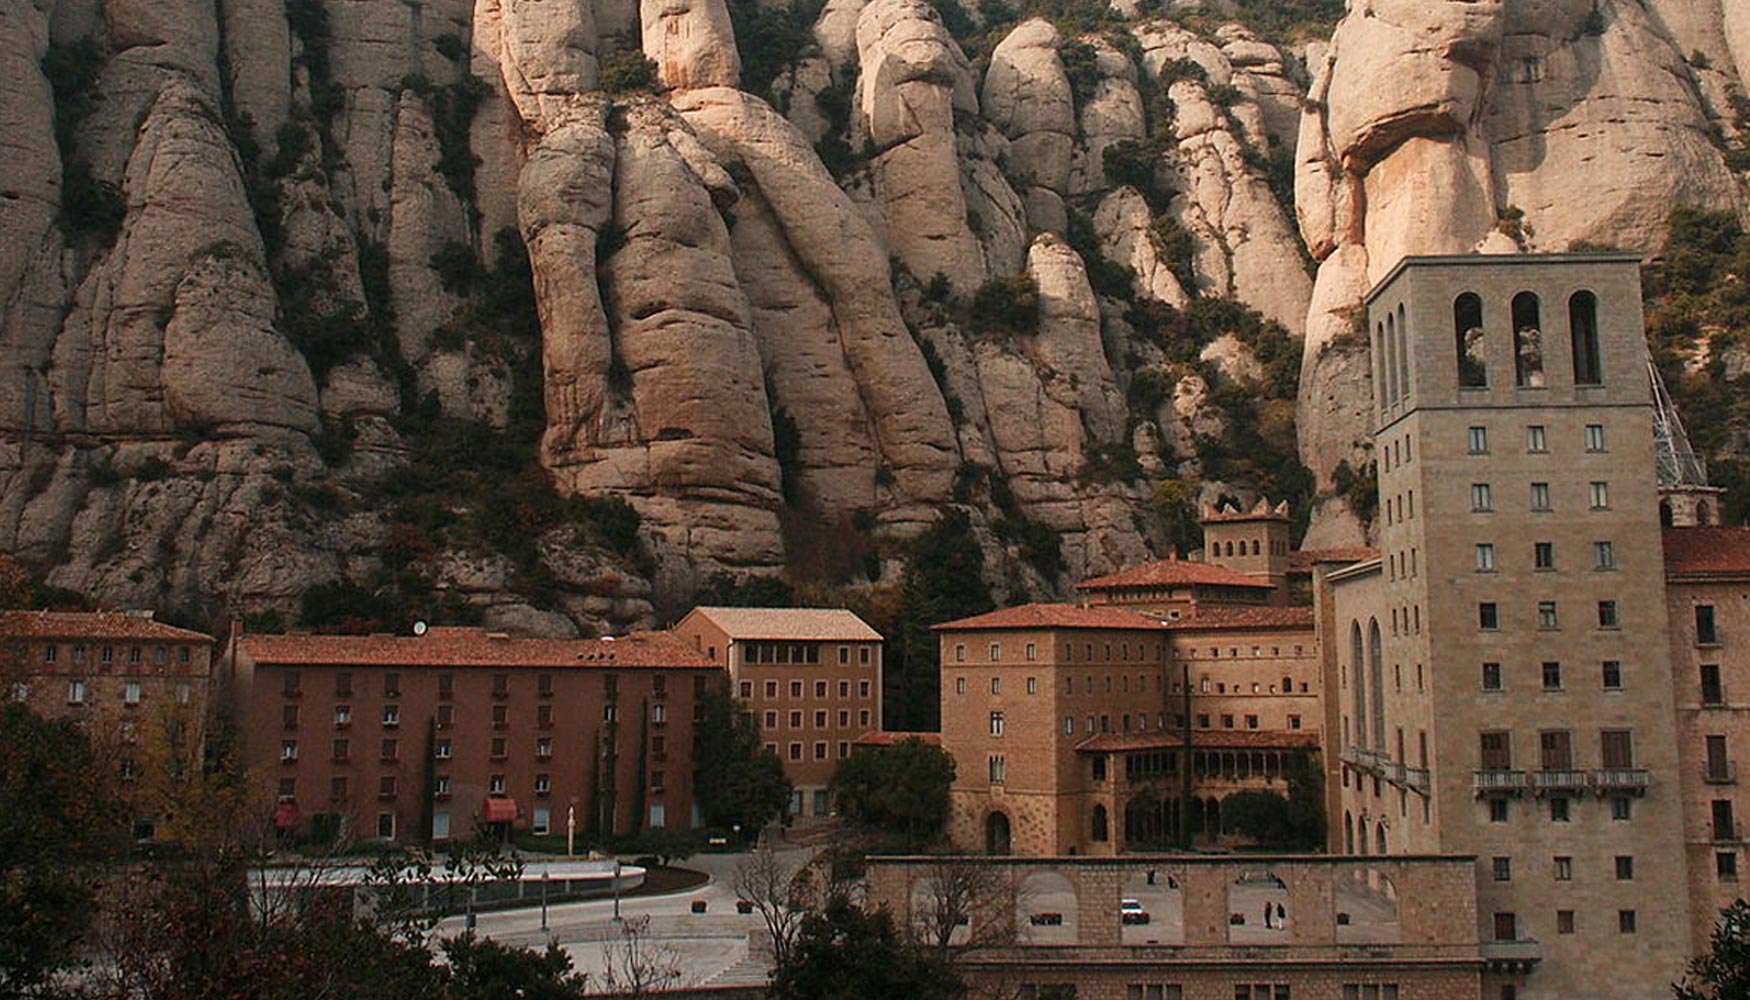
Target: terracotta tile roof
x,y
1202,739
1304,561
797,624
1174,573
1707,551
119,625
1243,618
1052,616
878,738
475,647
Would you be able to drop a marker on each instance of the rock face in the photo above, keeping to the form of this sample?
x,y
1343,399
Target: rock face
x,y
1501,107
269,276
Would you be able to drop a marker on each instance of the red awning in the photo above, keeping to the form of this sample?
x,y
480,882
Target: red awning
x,y
500,810
285,816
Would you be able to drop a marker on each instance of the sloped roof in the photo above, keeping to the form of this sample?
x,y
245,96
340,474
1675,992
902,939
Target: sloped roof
x,y
1243,618
798,624
1302,561
1174,573
474,647
96,625
1202,739
1032,616
1707,551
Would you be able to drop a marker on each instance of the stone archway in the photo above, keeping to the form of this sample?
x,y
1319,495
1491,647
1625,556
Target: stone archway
x,y
998,838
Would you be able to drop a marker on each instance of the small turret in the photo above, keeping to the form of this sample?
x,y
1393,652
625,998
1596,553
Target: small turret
x,y
1254,542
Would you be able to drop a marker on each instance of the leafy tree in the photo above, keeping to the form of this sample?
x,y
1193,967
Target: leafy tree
x,y
486,970
844,953
944,580
1292,822
740,783
1724,972
1010,303
902,789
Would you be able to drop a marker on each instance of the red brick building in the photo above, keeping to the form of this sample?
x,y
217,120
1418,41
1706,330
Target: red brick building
x,y
462,730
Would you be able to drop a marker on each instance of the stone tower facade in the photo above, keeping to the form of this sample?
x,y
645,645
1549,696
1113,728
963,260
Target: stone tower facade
x,y
1512,640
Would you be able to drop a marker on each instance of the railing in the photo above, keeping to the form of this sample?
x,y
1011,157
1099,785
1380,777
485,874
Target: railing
x,y
1621,779
1720,774
1394,772
1557,780
1488,782
1520,954
1418,778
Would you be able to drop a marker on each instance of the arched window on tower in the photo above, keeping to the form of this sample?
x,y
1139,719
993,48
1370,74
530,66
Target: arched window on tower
x,y
1527,341
1376,681
1394,392
1583,334
1403,354
1381,387
1358,673
1467,332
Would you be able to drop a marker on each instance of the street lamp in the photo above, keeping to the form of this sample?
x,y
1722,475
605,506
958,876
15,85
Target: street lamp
x,y
544,877
616,890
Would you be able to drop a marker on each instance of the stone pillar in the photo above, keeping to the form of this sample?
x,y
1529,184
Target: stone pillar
x,y
1206,909
1097,920
1312,902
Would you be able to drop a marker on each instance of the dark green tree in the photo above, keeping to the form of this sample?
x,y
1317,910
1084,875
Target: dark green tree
x,y
1724,972
944,580
901,789
486,970
740,782
1291,822
844,953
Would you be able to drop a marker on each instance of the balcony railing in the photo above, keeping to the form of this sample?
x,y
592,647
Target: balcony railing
x,y
1559,780
1496,782
1394,772
1519,955
1720,774
1418,778
1620,779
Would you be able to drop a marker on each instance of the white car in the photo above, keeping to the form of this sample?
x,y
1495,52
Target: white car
x,y
1130,911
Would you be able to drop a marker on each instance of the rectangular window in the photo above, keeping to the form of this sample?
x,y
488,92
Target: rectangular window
x,y
1625,921
659,714
795,720
996,651
796,689
1625,868
999,770
746,690
1491,677
386,826
795,751
1564,921
1706,634
391,715
442,750
495,784
1479,440
862,689
996,685
1600,494
1556,750
1497,810
996,723
1724,826
446,685
1536,438
75,692
391,685
1481,498
1712,692
543,821
132,692
1503,869
1032,685
1485,558
1564,869
1546,615
1543,555
1488,617
342,750
1621,808
544,716
820,689
288,751
1607,615
337,789
1506,927
342,716
544,747
544,685
820,719
1612,673
1616,748
291,684
1032,651
391,749
1558,810
1540,496
500,716
499,747
1594,437
1726,865
1496,751
1603,555
1552,676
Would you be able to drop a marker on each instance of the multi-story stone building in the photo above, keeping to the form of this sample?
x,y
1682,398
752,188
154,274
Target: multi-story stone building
x,y
139,687
1503,670
459,731
811,677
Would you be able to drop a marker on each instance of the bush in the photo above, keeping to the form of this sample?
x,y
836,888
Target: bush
x,y
458,268
628,72
1010,304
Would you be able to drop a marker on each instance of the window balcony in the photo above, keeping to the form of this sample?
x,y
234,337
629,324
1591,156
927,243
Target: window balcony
x,y
1558,780
1420,779
1499,782
1512,956
1616,780
1721,774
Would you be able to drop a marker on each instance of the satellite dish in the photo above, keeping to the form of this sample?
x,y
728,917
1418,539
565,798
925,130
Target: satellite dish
x,y
420,627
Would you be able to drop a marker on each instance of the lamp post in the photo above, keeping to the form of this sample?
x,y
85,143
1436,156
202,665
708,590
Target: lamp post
x,y
570,831
544,878
616,890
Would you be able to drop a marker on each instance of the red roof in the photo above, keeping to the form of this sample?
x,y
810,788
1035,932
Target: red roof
x,y
1174,573
475,647
1202,739
1243,618
98,625
1707,551
880,738
1030,616
1304,561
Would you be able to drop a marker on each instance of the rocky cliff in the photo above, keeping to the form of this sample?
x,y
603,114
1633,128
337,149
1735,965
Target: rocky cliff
x,y
547,312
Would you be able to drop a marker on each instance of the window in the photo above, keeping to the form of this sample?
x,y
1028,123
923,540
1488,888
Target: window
x,y
1719,767
1527,341
1621,808
1536,438
391,749
1625,921
1503,869
959,685
442,750
659,713
342,716
386,826
131,694
795,689
288,751
1491,677
795,751
1479,440
795,720
1069,725
1467,330
1706,633
1496,751
1497,810
1625,868
1583,338
1726,864
996,651
1616,748
543,821
746,689
75,692
1506,927
183,692
1540,496
1564,921
1251,722
1724,828
862,689
1032,651
391,715
999,769
1552,676
1712,693
820,689
500,716
960,653
996,685
1555,750
1558,810
1612,674
771,689
1032,685
1607,614
499,747
1546,615
342,751
544,716
106,655
391,685
1262,991
291,684
1595,437
996,723
1481,497
1485,558
337,789
1600,494
1487,616
1564,869
820,719
544,685
1543,555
